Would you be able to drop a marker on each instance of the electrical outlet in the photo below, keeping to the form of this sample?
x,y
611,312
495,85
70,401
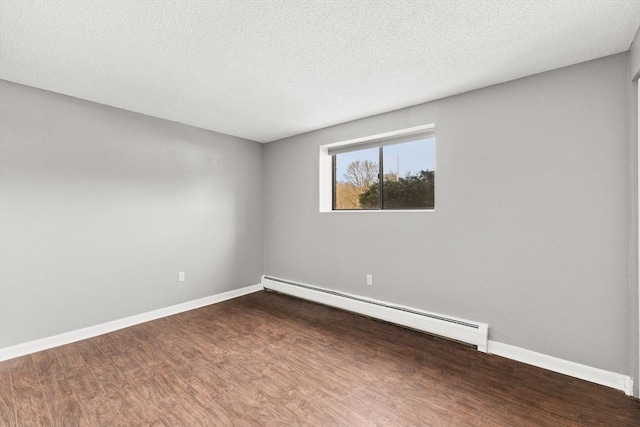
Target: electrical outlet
x,y
181,276
370,279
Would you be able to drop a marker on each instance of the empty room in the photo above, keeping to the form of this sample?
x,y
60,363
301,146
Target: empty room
x,y
319,213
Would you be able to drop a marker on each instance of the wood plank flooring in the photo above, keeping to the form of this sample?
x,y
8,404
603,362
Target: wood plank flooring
x,y
268,359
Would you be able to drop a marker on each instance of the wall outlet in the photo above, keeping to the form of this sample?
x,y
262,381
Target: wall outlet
x,y
369,279
181,276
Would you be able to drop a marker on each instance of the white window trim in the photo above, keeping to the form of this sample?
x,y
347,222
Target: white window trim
x,y
326,178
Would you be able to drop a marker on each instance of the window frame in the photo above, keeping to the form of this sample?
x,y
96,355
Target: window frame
x,y
328,152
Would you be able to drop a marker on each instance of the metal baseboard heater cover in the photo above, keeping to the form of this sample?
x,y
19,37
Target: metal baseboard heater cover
x,y
462,330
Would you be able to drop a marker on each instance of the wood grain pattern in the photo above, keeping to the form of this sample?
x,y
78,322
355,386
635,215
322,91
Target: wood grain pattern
x,y
7,410
268,359
65,408
31,408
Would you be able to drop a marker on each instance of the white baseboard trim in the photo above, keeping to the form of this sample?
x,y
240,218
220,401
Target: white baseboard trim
x,y
577,370
566,367
92,331
466,331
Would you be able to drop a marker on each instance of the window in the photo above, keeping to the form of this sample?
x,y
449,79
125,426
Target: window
x,y
395,172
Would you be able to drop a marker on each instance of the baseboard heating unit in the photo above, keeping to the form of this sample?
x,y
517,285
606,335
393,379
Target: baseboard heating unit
x,y
465,331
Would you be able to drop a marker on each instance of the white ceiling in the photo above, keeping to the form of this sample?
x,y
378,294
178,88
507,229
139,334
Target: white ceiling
x,y
265,70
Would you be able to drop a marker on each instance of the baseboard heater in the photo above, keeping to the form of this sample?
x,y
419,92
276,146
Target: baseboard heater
x,y
465,331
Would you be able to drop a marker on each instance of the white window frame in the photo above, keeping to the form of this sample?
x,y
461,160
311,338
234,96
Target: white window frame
x,y
326,167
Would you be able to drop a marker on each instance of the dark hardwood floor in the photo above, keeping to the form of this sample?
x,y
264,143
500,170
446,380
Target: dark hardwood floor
x,y
268,359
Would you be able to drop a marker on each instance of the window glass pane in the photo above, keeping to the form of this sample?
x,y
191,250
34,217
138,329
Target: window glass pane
x,y
356,173
409,175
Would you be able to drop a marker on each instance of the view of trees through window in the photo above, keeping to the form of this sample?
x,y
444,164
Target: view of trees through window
x,y
407,170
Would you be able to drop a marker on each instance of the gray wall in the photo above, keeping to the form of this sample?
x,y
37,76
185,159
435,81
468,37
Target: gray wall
x,y
531,227
633,248
634,53
100,208
634,71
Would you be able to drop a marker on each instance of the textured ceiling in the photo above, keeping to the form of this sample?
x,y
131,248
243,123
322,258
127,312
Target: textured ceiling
x,y
264,70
